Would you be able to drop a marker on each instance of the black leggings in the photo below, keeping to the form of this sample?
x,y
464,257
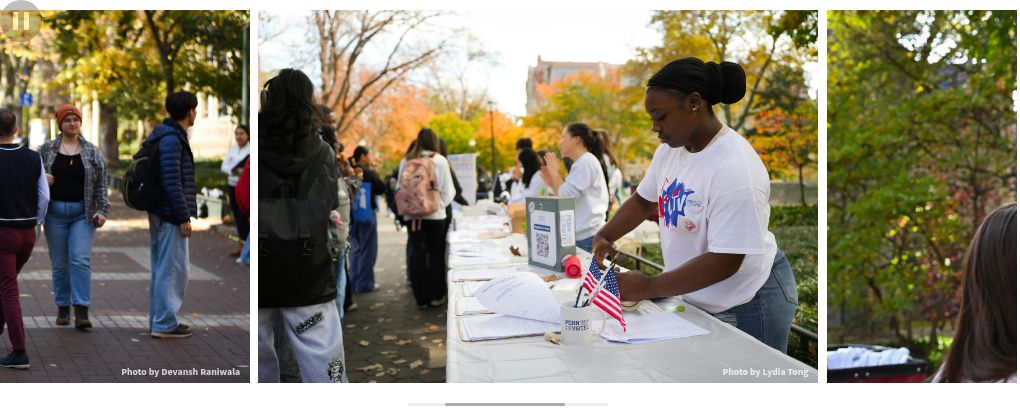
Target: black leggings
x,y
428,261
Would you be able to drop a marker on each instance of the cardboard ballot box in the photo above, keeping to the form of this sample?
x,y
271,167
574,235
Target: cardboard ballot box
x,y
550,231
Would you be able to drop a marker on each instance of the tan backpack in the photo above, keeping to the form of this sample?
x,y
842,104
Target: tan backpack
x,y
418,195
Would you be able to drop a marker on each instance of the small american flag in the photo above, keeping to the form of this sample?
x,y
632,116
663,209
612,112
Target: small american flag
x,y
607,298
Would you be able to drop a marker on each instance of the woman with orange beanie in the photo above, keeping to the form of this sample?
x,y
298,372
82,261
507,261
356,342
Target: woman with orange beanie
x,y
76,172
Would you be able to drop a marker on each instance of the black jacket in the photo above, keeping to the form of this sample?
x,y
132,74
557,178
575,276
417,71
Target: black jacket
x,y
314,166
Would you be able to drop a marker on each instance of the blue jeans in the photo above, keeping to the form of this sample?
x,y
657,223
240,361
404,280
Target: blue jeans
x,y
246,252
769,315
70,234
585,244
341,282
364,249
169,256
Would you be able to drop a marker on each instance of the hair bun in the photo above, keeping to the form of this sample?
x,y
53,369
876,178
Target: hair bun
x,y
734,82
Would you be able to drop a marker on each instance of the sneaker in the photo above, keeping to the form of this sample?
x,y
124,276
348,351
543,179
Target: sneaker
x,y
183,327
353,307
176,333
438,302
14,361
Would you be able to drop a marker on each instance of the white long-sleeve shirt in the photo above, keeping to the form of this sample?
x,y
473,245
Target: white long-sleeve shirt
x,y
587,186
43,188
444,181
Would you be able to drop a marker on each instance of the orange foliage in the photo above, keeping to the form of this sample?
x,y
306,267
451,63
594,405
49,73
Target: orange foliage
x,y
390,124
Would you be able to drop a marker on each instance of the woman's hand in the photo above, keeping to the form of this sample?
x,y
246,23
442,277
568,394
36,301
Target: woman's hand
x,y
552,164
635,286
99,220
601,247
49,178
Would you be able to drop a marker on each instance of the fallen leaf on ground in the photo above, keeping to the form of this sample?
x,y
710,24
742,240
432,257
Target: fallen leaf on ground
x,y
399,361
380,374
417,363
389,338
392,371
436,341
373,367
433,328
423,338
364,343
403,342
425,372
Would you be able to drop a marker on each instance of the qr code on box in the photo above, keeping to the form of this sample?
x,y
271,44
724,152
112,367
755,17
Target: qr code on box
x,y
542,244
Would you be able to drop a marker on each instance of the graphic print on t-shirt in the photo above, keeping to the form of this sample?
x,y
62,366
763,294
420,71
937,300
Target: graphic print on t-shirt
x,y
676,202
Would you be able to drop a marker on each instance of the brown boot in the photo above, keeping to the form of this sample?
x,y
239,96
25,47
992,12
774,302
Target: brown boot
x,y
81,317
63,315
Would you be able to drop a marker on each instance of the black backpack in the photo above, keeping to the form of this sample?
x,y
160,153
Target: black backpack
x,y
141,187
294,256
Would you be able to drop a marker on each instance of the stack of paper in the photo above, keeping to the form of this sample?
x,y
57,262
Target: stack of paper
x,y
470,306
651,328
458,275
485,327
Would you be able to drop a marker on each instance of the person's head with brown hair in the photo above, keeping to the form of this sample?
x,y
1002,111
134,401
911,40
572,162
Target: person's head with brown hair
x,y
427,141
984,347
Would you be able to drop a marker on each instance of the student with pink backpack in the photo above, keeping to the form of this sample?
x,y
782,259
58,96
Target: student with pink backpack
x,y
425,189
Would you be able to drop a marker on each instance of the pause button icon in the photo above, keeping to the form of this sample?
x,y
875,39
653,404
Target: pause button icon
x,y
21,20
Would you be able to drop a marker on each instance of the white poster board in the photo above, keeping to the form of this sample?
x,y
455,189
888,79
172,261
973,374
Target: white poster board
x,y
464,166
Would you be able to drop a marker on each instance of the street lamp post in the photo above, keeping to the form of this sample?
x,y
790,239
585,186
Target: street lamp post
x,y
492,133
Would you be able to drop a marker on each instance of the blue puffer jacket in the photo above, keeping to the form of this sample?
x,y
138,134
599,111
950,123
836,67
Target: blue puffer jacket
x,y
176,173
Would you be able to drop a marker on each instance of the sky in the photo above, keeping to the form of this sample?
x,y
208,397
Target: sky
x,y
515,38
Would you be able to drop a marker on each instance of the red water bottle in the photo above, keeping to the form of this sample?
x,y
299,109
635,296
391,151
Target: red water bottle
x,y
572,266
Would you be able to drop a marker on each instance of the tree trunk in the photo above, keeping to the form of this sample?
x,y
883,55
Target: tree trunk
x,y
108,132
800,176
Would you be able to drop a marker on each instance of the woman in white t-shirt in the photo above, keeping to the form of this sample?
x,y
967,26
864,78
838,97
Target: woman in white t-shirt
x,y
587,183
984,347
426,237
531,178
711,191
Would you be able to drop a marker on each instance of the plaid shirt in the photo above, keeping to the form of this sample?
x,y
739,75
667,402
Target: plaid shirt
x,y
96,197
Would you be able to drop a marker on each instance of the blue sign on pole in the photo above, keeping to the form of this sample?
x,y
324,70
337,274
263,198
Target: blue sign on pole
x,y
26,99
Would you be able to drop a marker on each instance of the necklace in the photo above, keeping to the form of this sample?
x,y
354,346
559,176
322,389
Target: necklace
x,y
68,153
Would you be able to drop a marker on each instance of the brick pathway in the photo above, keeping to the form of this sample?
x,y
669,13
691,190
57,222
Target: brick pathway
x,y
387,339
216,307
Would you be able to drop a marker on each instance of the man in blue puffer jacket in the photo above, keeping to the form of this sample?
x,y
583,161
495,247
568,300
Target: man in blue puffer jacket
x,y
170,222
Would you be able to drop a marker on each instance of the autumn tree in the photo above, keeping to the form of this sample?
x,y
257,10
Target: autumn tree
x,y
389,125
603,101
759,41
343,39
787,141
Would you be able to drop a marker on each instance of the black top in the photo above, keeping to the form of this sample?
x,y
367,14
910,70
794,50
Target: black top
x,y
20,169
68,178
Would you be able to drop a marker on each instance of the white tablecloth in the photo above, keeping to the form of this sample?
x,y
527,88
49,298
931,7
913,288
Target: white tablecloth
x,y
724,355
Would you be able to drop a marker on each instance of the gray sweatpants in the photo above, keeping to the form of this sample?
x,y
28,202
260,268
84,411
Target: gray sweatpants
x,y
314,332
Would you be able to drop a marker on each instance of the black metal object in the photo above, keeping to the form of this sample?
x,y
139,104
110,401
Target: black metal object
x,y
803,338
914,370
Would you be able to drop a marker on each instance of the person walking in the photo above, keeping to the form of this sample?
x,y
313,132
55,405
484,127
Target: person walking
x,y
170,221
24,198
232,165
76,173
426,184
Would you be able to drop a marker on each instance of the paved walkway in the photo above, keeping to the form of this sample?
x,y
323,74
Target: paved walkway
x,y
118,347
387,339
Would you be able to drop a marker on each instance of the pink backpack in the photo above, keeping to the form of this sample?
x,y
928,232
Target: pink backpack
x,y
418,195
